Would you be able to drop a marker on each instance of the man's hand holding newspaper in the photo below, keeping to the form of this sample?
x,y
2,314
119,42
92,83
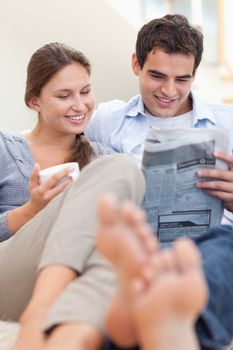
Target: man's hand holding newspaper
x,y
175,204
222,184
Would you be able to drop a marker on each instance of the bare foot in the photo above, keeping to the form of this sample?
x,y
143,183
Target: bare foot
x,y
125,239
123,236
165,311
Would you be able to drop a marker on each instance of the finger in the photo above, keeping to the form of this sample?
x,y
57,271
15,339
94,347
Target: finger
x,y
228,158
34,179
55,179
51,193
221,186
225,175
224,196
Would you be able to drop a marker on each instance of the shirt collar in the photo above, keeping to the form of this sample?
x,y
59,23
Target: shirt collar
x,y
137,107
201,110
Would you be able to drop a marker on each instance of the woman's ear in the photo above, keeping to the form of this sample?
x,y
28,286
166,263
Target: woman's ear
x,y
34,104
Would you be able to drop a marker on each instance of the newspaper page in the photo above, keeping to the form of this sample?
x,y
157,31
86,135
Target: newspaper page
x,y
174,205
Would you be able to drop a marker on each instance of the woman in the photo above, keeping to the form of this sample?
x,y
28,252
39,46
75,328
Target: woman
x,y
60,92
48,255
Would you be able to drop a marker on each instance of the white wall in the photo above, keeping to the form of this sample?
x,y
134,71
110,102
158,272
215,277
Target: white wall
x,y
131,10
228,31
92,26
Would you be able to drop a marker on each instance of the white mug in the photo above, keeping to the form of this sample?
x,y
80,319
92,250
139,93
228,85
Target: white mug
x,y
48,172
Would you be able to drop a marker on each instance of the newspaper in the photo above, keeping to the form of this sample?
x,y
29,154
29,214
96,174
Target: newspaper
x,y
174,205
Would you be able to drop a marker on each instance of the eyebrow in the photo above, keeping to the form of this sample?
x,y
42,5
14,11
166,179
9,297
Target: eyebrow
x,y
67,90
62,90
154,71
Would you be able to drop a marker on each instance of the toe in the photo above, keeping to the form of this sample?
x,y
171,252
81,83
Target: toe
x,y
108,209
186,254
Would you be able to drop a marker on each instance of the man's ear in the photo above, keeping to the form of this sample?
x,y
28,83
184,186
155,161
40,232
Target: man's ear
x,y
135,64
34,104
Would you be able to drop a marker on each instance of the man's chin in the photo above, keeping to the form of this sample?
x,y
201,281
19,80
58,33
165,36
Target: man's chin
x,y
164,114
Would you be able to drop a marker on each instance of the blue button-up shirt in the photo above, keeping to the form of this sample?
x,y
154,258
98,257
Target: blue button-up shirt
x,y
16,165
124,126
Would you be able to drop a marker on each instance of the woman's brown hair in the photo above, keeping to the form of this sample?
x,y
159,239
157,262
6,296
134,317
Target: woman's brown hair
x,y
44,63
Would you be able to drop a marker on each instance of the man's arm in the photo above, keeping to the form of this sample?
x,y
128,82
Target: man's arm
x,y
221,186
93,129
104,121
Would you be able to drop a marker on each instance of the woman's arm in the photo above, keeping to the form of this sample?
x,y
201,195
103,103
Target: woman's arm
x,y
41,195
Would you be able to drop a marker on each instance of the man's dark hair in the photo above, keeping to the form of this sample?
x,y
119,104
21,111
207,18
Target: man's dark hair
x,y
172,34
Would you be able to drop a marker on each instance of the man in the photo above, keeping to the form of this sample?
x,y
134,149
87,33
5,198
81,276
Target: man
x,y
168,53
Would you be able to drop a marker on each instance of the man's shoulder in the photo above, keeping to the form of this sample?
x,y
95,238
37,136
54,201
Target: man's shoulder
x,y
214,107
112,105
220,107
108,118
115,107
219,113
223,114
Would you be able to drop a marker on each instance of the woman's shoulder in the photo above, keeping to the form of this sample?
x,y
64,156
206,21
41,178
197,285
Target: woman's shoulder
x,y
12,144
7,136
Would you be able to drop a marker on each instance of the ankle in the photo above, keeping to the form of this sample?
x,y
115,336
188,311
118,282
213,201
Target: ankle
x,y
32,313
75,336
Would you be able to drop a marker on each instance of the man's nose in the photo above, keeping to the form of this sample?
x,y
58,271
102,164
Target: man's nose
x,y
169,88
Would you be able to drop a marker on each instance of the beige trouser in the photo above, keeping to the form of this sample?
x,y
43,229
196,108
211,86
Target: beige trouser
x,y
64,233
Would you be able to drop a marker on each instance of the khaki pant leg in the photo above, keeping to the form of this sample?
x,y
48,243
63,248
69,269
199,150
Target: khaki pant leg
x,y
87,297
72,238
19,259
63,232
